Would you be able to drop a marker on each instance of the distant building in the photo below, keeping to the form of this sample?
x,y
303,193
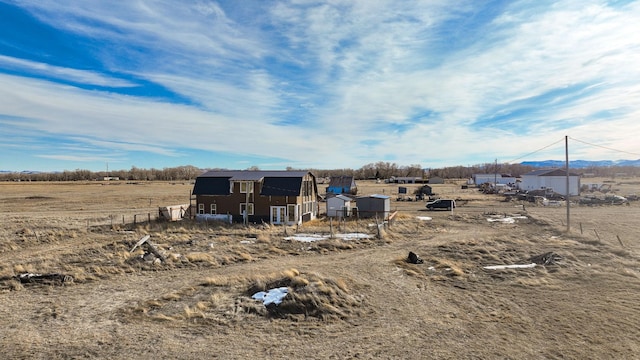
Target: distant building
x,y
555,179
479,179
407,179
342,185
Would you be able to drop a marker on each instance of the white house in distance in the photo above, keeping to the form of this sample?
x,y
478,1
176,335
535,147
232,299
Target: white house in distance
x,y
480,179
339,206
555,179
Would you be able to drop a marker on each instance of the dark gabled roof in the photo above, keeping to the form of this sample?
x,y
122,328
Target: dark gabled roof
x,y
279,186
274,183
343,181
211,186
551,172
252,175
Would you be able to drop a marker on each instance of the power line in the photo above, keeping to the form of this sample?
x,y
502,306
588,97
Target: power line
x,y
531,153
605,147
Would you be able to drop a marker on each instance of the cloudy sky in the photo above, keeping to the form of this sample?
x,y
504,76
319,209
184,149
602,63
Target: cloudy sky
x,y
315,84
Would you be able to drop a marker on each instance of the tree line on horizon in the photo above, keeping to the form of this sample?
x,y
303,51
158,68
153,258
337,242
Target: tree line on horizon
x,y
378,170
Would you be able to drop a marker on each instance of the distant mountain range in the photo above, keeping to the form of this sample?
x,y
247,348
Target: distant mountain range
x,y
581,164
21,172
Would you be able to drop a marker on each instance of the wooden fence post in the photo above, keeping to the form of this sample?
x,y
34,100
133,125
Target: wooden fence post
x,y
331,227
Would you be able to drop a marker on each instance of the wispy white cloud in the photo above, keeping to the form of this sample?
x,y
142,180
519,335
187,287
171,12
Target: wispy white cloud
x,y
78,158
313,82
83,77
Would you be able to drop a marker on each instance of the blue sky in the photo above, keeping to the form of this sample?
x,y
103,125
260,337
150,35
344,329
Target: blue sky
x,y
309,84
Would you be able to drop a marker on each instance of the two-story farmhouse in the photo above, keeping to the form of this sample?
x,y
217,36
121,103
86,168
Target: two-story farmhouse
x,y
275,197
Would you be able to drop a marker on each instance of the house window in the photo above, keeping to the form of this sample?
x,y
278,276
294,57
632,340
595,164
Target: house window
x,y
291,210
213,209
307,188
200,208
248,206
307,207
246,187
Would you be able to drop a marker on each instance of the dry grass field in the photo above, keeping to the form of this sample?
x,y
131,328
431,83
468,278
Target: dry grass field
x,y
348,298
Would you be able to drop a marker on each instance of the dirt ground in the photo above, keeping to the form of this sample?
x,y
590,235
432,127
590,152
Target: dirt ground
x,y
348,298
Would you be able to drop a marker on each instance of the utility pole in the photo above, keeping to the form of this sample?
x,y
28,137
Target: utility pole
x,y
566,167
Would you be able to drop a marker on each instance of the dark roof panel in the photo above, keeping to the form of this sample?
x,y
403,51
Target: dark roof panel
x,y
281,186
211,186
342,181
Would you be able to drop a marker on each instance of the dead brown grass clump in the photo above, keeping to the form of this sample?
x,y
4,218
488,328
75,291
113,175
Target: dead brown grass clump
x,y
203,257
223,300
310,295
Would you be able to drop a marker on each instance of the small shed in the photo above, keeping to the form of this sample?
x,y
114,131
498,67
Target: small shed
x,y
339,206
375,205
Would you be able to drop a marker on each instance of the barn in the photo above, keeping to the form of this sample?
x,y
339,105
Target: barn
x,y
342,185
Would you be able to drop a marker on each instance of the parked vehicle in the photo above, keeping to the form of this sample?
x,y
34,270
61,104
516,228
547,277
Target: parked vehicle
x,y
447,204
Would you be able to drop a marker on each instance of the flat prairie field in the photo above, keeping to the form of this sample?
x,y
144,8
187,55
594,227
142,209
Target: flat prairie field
x,y
496,279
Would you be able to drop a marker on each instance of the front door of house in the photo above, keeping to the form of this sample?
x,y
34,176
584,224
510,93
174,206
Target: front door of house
x,y
278,214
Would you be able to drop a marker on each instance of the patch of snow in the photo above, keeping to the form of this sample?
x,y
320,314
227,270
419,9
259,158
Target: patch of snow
x,y
318,237
506,220
424,218
271,296
502,267
352,236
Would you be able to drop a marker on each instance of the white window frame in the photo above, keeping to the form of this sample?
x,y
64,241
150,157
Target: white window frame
x,y
246,187
201,208
213,209
249,206
291,213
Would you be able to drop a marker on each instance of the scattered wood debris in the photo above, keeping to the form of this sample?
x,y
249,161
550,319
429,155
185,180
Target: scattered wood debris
x,y
151,247
47,279
549,258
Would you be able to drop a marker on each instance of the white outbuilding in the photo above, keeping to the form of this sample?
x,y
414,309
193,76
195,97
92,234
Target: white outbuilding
x,y
555,179
339,206
480,179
